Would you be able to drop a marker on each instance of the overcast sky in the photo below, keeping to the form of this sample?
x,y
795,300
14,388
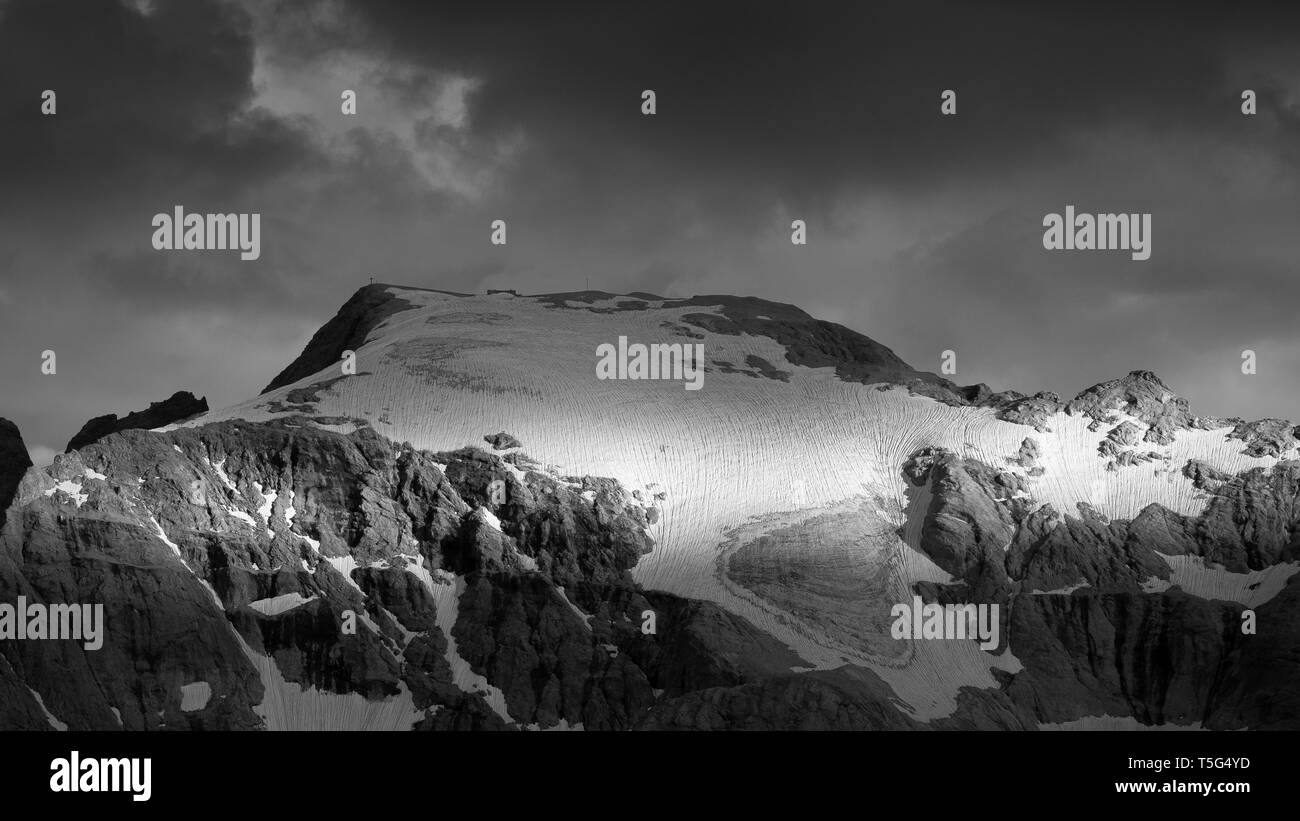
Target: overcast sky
x,y
925,231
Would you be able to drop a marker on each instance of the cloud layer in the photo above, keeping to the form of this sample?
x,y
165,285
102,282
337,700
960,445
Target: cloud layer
x,y
924,231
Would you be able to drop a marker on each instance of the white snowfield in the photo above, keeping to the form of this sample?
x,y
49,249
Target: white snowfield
x,y
276,605
814,463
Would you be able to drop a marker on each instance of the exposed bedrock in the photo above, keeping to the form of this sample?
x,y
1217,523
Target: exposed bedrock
x,y
14,462
245,567
1084,599
180,405
252,572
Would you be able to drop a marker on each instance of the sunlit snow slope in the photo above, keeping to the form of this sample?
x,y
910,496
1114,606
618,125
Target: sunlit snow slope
x,y
800,461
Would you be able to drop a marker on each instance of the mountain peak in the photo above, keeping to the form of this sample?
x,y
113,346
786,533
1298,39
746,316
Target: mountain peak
x,y
1141,376
1142,395
370,305
808,341
1134,386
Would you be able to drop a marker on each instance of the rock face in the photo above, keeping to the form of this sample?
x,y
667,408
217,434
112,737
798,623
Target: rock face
x,y
14,462
309,572
361,314
1092,616
501,441
310,578
1266,437
1031,410
181,405
1141,394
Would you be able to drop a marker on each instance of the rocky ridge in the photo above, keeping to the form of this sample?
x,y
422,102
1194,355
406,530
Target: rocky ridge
x,y
180,405
14,462
1091,606
234,555
300,576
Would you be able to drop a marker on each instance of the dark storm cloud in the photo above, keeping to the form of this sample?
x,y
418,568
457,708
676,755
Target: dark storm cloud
x,y
153,110
925,230
142,98
156,107
804,102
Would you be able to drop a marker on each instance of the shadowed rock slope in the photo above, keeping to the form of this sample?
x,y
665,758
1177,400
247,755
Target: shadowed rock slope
x,y
180,405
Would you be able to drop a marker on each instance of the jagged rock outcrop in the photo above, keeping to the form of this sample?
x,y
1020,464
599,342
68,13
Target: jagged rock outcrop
x,y
1266,437
1154,657
1090,618
245,547
310,572
1248,524
502,441
347,331
180,405
816,701
970,519
282,567
1252,519
1034,411
267,561
1027,457
1159,412
1142,395
14,462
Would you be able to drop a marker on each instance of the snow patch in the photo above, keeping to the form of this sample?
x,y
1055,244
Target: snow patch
x,y
490,519
344,565
72,489
1064,591
220,469
49,717
268,502
276,605
162,534
1215,582
586,619
195,696
289,706
446,590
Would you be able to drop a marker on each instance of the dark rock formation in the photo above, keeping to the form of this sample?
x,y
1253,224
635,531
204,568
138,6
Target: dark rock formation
x,y
14,462
808,341
278,561
1156,657
1027,456
303,400
347,331
814,701
1266,437
189,537
970,519
1142,395
502,441
1113,647
1032,410
178,534
181,405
